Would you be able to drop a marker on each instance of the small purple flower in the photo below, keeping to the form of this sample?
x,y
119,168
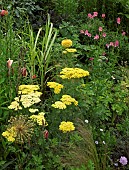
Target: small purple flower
x,y
123,160
96,142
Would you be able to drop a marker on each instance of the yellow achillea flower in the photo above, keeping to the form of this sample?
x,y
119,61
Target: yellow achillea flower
x,y
30,99
69,73
10,134
40,119
19,130
15,105
64,52
33,110
66,126
66,43
28,96
56,86
59,105
71,50
26,89
68,100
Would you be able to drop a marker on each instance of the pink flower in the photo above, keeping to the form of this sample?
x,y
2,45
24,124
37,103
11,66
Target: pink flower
x,y
96,37
118,20
34,76
86,32
107,45
116,44
103,15
104,34
95,14
90,16
111,44
123,160
82,31
24,72
46,134
9,63
103,54
100,28
89,35
123,33
3,13
91,58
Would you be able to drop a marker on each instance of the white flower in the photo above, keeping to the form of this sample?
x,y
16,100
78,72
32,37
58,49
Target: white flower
x,y
101,130
104,142
86,121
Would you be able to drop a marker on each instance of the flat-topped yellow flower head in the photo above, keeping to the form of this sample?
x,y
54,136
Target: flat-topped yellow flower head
x,y
66,43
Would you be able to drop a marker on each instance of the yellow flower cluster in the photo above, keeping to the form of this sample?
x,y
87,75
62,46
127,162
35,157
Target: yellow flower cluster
x,y
68,100
15,105
26,89
65,100
66,43
10,134
28,100
33,110
20,129
71,50
59,105
56,86
69,73
66,126
28,97
40,119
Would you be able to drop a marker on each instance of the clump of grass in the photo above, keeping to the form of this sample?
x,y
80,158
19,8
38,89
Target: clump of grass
x,y
83,150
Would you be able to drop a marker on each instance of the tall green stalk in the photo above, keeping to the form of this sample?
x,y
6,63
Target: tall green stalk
x,y
44,56
41,55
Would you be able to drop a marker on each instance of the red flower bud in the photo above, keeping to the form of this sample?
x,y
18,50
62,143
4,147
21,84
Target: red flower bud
x,y
3,13
9,63
34,76
46,134
24,72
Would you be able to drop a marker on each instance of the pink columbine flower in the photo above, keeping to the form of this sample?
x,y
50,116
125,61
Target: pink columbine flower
x,y
116,43
96,37
82,31
104,34
89,35
95,14
123,33
91,58
103,15
86,32
100,29
111,44
123,160
90,16
9,63
107,45
118,20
